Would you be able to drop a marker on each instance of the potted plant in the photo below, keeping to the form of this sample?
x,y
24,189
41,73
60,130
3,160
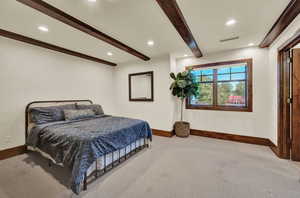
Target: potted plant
x,y
183,86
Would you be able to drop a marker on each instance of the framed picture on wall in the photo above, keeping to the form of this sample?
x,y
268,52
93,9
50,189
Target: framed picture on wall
x,y
141,87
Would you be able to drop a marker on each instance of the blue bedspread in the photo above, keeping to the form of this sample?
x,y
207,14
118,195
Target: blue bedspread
x,y
77,144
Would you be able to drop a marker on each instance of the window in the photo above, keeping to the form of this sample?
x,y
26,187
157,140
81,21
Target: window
x,y
223,86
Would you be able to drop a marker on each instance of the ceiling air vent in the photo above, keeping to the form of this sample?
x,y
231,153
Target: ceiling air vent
x,y
229,39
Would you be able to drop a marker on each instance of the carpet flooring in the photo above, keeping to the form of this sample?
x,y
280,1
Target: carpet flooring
x,y
195,167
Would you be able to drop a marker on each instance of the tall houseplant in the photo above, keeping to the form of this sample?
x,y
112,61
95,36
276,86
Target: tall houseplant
x,y
183,86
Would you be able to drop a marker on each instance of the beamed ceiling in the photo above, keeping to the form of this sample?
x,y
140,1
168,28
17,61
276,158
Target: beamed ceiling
x,y
134,22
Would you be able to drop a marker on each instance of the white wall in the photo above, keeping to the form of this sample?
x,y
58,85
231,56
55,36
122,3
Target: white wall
x,y
241,123
297,46
157,113
161,114
164,111
29,73
26,74
273,64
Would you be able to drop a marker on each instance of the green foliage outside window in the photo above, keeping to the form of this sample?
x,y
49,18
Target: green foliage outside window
x,y
230,83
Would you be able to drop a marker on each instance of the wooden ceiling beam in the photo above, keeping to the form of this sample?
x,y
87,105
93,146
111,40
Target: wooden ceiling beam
x,y
287,16
173,12
79,25
42,44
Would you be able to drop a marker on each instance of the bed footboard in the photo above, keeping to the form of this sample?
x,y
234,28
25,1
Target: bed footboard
x,y
118,156
115,162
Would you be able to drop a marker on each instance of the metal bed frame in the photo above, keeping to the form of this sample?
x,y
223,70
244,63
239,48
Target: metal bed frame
x,y
96,173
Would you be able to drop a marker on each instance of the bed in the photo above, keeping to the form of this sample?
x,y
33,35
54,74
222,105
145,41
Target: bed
x,y
78,135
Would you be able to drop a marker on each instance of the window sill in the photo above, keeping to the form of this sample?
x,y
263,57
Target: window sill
x,y
218,108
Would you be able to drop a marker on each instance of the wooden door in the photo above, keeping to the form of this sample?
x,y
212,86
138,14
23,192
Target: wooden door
x,y
295,146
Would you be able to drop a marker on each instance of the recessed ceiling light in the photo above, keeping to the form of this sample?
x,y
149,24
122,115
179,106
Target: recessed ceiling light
x,y
92,0
109,53
185,55
150,43
251,44
43,28
231,22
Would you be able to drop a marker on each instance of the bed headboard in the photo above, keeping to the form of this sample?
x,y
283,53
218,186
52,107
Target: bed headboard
x,y
49,103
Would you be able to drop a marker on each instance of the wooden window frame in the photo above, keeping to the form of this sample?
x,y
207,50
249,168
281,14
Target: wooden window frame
x,y
249,93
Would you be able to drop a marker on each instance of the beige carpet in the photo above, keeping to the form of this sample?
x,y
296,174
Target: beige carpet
x,y
172,168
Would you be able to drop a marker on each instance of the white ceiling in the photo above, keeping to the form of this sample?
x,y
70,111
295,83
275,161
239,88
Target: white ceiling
x,y
134,22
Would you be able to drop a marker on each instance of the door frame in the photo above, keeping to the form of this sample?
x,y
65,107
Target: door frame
x,y
283,148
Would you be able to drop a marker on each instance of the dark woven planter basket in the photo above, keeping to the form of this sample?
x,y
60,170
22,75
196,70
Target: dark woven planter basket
x,y
182,129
